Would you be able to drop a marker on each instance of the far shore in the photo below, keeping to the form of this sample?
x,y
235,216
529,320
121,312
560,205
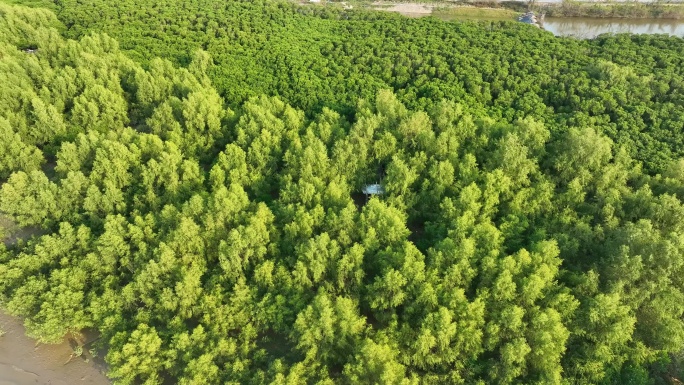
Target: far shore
x,y
504,9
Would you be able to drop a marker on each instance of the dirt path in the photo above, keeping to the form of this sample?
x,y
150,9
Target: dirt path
x,y
22,362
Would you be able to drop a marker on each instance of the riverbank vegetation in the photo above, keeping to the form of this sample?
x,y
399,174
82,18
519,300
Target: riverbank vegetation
x,y
474,13
197,173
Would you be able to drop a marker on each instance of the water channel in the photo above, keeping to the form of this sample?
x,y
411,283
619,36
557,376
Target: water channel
x,y
587,28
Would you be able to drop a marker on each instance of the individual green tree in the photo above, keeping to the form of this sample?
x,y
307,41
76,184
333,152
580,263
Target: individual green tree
x,y
30,199
99,109
17,155
601,331
48,123
582,152
376,363
137,356
202,113
328,330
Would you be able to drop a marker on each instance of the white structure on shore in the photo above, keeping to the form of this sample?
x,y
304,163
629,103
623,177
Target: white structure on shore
x,y
373,189
529,18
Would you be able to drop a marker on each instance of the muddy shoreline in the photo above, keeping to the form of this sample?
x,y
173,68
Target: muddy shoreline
x,y
23,362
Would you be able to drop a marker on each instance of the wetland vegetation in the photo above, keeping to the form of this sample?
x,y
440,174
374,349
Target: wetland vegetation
x,y
197,175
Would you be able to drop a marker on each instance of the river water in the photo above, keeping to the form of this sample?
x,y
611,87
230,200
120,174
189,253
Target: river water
x,y
587,28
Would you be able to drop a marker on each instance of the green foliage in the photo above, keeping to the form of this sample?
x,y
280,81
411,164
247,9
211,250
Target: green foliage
x,y
626,87
531,229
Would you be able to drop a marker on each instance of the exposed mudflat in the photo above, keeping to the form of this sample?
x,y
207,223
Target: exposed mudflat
x,y
23,362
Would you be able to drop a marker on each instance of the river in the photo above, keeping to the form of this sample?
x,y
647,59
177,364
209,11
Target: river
x,y
587,28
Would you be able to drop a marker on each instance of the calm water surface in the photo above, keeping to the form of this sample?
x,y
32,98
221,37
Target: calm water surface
x,y
587,28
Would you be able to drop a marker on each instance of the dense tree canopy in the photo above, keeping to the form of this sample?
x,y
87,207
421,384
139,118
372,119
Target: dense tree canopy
x,y
207,219
628,88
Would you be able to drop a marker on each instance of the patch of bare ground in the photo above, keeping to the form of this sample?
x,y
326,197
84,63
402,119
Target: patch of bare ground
x,y
22,361
10,233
